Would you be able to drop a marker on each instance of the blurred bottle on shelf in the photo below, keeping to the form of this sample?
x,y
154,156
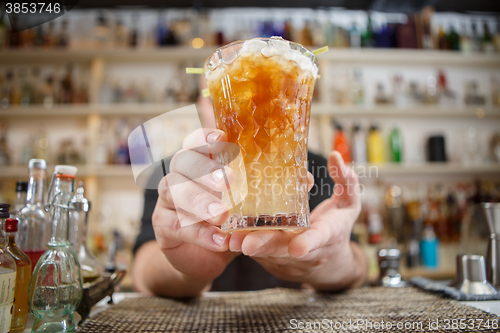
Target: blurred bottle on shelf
x,y
34,229
67,92
120,35
429,248
475,39
471,152
375,146
446,97
3,32
358,143
381,97
68,154
472,95
63,37
465,40
49,38
23,275
399,96
395,212
495,147
355,37
340,143
443,42
48,93
368,37
102,34
436,149
21,198
7,274
133,40
495,90
453,39
396,145
487,45
357,93
5,153
41,150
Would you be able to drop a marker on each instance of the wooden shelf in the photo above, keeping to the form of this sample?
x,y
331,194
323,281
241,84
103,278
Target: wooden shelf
x,y
383,170
21,171
430,169
155,109
186,53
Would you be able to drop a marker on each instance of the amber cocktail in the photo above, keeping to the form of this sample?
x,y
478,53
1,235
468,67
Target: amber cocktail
x,y
261,91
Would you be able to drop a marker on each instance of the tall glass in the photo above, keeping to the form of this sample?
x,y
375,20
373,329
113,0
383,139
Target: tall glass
x,y
261,92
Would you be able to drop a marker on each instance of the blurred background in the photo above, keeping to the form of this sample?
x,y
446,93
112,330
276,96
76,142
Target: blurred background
x,y
409,93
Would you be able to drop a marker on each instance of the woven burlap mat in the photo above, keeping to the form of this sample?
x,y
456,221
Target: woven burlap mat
x,y
285,310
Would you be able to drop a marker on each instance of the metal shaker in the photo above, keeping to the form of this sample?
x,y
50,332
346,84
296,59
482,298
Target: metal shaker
x,y
491,212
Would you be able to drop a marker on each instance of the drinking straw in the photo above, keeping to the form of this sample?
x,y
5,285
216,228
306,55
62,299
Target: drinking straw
x,y
320,50
205,92
194,70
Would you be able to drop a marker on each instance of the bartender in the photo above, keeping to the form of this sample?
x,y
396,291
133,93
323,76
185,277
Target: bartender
x,y
175,261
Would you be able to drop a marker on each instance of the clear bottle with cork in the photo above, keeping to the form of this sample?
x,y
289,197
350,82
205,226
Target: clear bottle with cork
x,y
34,229
23,275
91,266
7,275
56,284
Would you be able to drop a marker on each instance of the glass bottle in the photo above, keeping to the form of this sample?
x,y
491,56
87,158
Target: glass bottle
x,y
358,145
56,285
7,275
91,267
23,275
396,145
34,228
341,144
375,146
21,195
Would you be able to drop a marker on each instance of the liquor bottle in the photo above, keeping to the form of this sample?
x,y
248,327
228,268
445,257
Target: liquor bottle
x,y
133,40
120,34
102,33
91,267
355,37
375,146
23,275
465,40
443,43
341,144
33,222
67,86
475,39
487,41
53,296
48,36
26,88
368,38
3,32
396,145
358,145
357,93
63,38
453,39
429,248
20,202
48,93
7,275
5,153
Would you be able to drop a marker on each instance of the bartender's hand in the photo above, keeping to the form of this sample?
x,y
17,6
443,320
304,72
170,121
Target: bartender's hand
x,y
322,256
190,194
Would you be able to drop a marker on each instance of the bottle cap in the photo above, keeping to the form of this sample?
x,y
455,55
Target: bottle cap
x,y
21,186
37,163
11,225
66,170
4,210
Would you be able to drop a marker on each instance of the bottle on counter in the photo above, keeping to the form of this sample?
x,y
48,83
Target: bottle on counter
x,y
21,195
91,267
52,299
487,45
358,144
375,146
341,144
396,145
23,275
34,228
7,275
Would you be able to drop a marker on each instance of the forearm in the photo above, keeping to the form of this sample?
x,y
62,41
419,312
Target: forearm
x,y
349,271
152,273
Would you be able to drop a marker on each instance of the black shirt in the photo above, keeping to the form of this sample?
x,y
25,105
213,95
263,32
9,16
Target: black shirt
x,y
243,273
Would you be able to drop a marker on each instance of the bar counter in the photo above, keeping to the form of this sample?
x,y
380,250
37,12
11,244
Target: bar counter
x,y
366,309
